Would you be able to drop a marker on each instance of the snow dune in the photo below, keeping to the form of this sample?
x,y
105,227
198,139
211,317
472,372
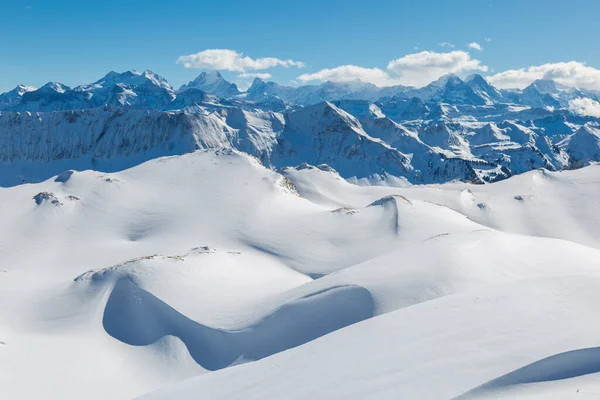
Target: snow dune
x,y
136,317
558,367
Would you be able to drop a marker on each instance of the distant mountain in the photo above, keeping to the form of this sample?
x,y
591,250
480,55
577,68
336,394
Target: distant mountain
x,y
147,90
546,93
327,91
447,89
135,89
533,96
483,89
53,96
261,90
212,83
14,96
130,89
400,109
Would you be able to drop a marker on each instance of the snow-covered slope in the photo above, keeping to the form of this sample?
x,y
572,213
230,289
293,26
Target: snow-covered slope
x,y
190,265
583,146
36,146
499,342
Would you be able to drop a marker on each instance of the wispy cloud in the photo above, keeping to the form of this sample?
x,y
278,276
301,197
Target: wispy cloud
x,y
416,69
487,39
446,44
246,75
475,46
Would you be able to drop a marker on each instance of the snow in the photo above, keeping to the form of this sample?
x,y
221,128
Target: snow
x,y
208,275
445,348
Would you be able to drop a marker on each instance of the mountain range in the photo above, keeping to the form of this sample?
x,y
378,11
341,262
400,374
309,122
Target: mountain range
x,y
451,129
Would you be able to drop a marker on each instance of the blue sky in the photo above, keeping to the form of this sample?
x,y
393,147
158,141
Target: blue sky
x,y
77,42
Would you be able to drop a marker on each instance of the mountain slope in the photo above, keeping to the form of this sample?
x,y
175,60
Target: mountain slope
x,y
582,146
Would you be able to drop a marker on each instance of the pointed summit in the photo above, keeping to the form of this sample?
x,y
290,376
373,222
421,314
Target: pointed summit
x,y
257,82
482,87
476,79
212,82
54,86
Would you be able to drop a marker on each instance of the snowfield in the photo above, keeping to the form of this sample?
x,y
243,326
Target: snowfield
x,y
207,275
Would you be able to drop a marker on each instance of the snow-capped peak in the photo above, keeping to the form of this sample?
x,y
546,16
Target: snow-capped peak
x,y
156,79
21,89
476,79
548,86
211,77
55,86
448,79
483,88
212,82
131,77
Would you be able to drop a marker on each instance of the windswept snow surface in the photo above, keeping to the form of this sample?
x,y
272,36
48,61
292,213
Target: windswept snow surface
x,y
208,275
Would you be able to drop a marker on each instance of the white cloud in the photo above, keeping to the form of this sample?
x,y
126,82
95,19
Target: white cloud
x,y
487,39
475,45
585,106
446,44
231,60
417,69
349,73
570,73
246,75
421,68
